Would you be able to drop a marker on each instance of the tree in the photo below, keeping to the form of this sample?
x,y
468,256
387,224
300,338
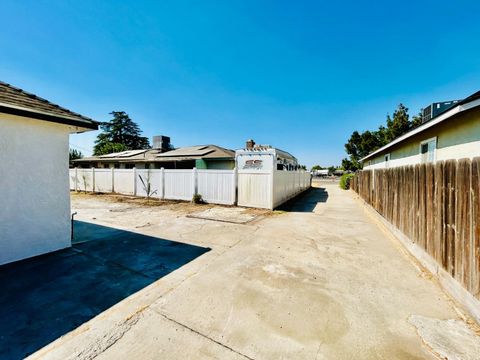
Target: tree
x,y
400,123
121,133
417,120
108,148
348,165
317,167
75,154
361,144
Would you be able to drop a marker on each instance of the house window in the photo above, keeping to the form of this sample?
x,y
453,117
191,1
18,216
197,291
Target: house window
x,y
387,159
427,150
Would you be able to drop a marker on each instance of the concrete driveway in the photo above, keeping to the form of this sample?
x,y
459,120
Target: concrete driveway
x,y
47,296
319,281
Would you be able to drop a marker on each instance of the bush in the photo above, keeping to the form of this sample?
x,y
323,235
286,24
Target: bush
x,y
345,181
197,199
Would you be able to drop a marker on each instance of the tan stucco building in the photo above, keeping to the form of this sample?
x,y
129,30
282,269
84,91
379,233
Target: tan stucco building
x,y
454,134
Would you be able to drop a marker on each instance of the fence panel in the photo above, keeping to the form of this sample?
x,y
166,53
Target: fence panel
x,y
84,179
287,184
149,183
437,207
255,189
73,179
217,186
103,180
179,184
123,180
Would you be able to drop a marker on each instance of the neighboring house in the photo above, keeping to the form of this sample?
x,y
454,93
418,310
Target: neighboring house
x,y
452,134
34,183
200,157
264,157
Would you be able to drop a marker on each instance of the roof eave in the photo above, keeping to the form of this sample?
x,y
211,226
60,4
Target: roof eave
x,y
86,124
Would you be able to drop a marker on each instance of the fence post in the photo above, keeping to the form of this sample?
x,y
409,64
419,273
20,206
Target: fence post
x,y
113,179
162,183
134,181
235,182
93,179
195,178
76,179
272,188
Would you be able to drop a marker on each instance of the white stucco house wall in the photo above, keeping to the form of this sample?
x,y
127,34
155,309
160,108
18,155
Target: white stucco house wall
x,y
34,183
452,135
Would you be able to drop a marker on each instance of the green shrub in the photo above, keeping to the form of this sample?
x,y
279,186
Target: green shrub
x,y
345,181
197,199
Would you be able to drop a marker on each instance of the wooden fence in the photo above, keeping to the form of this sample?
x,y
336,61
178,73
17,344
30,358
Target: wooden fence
x,y
436,206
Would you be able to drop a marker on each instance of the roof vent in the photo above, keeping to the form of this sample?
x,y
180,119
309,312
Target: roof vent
x,y
162,143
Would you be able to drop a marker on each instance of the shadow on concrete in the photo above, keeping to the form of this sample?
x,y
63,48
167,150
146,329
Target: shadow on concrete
x,y
306,201
45,297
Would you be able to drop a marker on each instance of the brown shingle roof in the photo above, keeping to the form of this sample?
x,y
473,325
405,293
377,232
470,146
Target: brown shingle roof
x,y
155,155
19,102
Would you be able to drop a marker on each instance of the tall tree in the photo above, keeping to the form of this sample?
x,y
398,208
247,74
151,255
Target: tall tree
x,y
108,148
417,120
361,144
400,123
348,165
120,133
75,154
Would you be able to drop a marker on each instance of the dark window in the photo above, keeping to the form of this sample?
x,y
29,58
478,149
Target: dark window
x,y
424,148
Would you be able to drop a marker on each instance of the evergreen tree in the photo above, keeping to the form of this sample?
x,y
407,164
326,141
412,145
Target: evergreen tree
x,y
74,154
361,144
416,120
119,134
400,123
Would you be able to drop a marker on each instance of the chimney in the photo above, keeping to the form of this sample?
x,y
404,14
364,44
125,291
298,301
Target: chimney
x,y
250,144
161,142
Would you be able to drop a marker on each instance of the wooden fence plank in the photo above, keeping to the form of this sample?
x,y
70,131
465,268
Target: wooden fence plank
x,y
475,201
462,221
450,171
429,208
439,248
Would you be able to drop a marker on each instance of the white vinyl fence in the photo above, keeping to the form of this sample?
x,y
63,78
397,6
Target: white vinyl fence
x,y
264,189
215,186
260,189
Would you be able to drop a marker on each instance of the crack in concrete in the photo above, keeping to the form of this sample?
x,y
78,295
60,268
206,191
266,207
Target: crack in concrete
x,y
108,339
201,334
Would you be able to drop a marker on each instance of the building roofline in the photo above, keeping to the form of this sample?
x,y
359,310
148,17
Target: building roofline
x,y
468,103
40,115
60,115
153,160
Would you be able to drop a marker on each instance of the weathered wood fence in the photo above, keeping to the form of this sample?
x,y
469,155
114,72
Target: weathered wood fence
x,y
435,206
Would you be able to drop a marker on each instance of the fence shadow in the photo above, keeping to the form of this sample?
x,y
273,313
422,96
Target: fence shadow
x,y
47,296
306,201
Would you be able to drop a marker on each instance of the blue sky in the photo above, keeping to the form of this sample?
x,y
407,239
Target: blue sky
x,y
299,75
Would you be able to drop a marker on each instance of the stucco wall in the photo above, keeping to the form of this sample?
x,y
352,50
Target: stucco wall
x,y
35,199
456,138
